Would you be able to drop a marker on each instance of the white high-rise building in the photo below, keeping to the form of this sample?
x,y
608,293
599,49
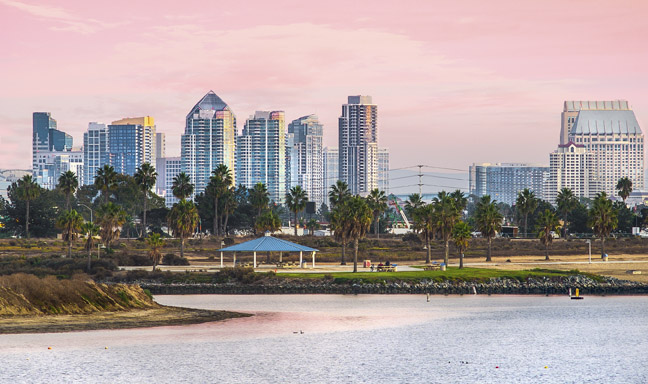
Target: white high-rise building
x,y
358,144
95,151
131,143
503,181
160,145
51,164
167,168
570,168
306,162
261,153
609,131
383,170
331,160
209,140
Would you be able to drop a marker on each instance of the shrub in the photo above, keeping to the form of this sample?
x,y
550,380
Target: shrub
x,y
412,237
172,259
228,241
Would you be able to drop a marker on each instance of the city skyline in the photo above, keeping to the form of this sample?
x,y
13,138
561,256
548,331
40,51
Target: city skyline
x,y
467,68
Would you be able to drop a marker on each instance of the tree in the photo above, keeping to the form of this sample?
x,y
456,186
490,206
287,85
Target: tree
x,y
461,236
603,218
183,220
110,217
425,221
106,180
219,185
259,197
296,200
268,222
145,177
339,193
155,243
358,217
566,203
27,190
488,220
70,222
231,203
377,201
181,186
312,226
624,188
547,223
338,225
68,184
414,201
526,203
460,201
89,230
44,210
446,215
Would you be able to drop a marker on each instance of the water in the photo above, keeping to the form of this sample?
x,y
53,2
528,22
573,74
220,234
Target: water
x,y
356,339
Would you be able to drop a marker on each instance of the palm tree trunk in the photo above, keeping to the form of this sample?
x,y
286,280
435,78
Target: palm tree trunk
x,y
355,255
155,261
377,228
295,223
89,258
602,246
216,217
67,202
488,255
27,221
461,257
69,245
428,257
225,223
343,262
547,251
182,246
447,251
526,228
144,219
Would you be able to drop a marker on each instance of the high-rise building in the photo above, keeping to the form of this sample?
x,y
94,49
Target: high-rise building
x,y
383,170
160,145
306,162
572,108
131,142
570,168
167,168
209,140
358,144
331,160
46,140
51,164
503,181
95,151
609,131
261,153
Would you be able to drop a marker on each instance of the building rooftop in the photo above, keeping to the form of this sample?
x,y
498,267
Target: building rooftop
x,y
210,102
599,105
605,122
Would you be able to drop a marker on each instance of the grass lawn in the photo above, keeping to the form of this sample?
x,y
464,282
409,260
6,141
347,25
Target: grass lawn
x,y
453,273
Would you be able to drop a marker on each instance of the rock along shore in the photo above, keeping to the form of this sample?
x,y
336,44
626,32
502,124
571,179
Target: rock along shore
x,y
531,286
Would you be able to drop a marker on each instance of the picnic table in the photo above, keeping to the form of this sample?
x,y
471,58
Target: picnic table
x,y
386,268
432,267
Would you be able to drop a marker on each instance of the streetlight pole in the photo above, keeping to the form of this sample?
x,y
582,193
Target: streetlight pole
x,y
83,205
589,243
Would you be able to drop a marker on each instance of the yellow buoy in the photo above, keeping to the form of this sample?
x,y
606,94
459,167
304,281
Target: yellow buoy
x,y
545,367
49,347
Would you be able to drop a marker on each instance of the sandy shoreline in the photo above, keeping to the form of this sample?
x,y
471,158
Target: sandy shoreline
x,y
138,318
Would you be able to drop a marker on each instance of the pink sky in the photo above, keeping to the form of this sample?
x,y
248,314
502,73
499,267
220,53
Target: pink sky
x,y
456,82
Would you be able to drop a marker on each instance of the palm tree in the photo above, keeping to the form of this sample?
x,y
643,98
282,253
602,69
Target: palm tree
x,y
312,226
70,222
182,187
413,202
183,220
219,185
110,217
446,216
460,200
488,220
525,204
603,218
231,203
339,227
106,180
566,202
358,217
145,177
27,190
624,188
339,193
296,200
377,201
89,230
547,223
68,184
425,221
155,242
267,222
259,197
461,235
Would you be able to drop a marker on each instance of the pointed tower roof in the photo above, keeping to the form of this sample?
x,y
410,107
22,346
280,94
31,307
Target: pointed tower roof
x,y
210,101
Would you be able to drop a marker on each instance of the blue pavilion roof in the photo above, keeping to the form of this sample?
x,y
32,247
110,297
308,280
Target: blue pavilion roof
x,y
268,244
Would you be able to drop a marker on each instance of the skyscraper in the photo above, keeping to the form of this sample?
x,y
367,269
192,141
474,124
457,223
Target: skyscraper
x,y
47,143
358,144
261,153
571,168
331,160
609,131
131,142
306,161
160,145
95,151
383,170
209,140
572,108
503,181
167,168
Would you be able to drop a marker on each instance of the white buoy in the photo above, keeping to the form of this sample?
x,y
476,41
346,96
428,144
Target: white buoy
x,y
569,291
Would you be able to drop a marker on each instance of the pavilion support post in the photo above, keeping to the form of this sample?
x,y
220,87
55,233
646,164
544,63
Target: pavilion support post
x,y
301,259
234,259
313,259
280,257
221,259
254,261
